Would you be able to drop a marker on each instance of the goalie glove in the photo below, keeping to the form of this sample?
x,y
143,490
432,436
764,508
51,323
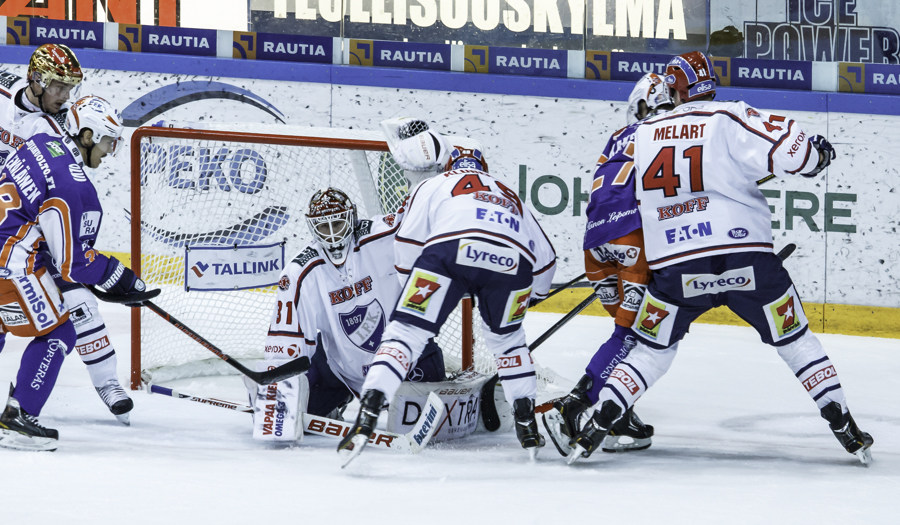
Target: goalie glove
x,y
120,280
418,149
826,154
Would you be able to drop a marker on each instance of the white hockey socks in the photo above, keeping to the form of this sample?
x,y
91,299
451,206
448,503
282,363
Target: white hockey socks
x,y
514,364
807,359
401,346
632,377
93,346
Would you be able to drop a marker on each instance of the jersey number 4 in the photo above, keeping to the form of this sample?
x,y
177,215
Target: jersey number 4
x,y
661,173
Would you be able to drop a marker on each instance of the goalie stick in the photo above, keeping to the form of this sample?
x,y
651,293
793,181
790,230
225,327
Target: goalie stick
x,y
410,443
295,367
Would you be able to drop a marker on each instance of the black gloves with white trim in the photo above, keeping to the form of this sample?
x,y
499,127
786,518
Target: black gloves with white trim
x,y
121,284
826,154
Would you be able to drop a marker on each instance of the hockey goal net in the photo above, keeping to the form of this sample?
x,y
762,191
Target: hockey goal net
x,y
213,188
249,185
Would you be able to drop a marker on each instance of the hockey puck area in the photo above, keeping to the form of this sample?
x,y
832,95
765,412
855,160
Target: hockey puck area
x,y
734,436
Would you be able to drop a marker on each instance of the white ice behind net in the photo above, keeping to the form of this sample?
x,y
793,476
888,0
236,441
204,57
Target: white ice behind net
x,y
221,193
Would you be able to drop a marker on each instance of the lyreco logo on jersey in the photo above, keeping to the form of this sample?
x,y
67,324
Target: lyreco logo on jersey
x,y
688,232
620,253
742,279
488,256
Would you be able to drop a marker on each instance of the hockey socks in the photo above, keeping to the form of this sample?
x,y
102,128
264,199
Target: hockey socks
x,y
610,353
633,376
807,359
40,366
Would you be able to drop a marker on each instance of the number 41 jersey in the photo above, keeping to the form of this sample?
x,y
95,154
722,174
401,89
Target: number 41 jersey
x,y
697,169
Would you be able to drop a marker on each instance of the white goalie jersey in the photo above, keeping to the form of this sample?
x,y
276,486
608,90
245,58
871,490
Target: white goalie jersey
x,y
698,167
348,307
20,119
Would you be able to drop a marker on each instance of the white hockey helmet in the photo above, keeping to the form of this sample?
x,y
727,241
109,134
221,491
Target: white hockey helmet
x,y
418,149
653,91
99,116
331,218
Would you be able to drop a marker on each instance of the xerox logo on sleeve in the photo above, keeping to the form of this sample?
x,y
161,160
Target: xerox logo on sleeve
x,y
706,283
488,256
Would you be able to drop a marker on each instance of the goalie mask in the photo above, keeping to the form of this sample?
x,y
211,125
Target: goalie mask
x,y
652,91
331,218
466,158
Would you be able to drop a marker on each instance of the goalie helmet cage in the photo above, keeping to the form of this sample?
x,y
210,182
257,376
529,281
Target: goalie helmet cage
x,y
209,187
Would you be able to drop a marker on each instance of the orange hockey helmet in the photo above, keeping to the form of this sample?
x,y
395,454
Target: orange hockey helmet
x,y
691,75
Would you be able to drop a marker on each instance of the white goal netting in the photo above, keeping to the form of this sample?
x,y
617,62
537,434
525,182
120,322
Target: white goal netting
x,y
247,187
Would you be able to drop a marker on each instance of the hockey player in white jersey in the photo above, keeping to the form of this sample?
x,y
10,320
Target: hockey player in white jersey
x,y
463,232
708,236
39,104
332,306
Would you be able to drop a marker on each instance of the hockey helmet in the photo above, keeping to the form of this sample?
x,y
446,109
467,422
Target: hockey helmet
x,y
691,75
57,62
652,90
99,116
466,158
331,218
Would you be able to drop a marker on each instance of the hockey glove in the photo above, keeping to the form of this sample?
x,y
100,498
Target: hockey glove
x,y
120,280
827,154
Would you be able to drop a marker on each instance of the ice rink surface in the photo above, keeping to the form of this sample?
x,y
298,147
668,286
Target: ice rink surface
x,y
737,441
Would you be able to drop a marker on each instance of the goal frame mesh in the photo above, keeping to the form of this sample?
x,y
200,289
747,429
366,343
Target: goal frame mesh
x,y
141,133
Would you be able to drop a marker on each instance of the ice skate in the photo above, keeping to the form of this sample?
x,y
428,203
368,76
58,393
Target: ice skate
x,y
586,442
854,440
356,440
526,426
116,400
635,433
561,421
21,431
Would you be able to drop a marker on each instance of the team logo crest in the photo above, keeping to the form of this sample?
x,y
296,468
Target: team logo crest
x,y
364,325
650,318
284,283
785,315
419,294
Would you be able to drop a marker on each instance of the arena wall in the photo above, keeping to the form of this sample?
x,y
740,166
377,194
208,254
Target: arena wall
x,y
543,137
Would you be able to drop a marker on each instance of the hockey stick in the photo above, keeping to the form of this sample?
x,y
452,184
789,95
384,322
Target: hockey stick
x,y
561,288
295,367
489,415
782,254
323,426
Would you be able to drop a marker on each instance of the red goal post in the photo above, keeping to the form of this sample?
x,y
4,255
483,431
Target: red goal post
x,y
217,187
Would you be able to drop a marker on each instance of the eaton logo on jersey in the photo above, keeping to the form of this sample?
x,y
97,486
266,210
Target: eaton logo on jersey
x,y
364,325
702,284
483,214
487,256
688,232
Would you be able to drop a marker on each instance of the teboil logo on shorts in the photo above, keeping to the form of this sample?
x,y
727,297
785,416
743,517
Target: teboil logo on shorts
x,y
705,283
519,307
812,381
784,314
419,294
488,256
93,346
651,317
626,380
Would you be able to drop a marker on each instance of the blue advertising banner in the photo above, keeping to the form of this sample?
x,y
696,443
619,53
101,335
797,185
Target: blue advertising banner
x,y
632,66
883,79
530,62
175,40
777,74
291,48
39,31
412,55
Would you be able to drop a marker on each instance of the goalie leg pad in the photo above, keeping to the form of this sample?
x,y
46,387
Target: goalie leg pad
x,y
278,408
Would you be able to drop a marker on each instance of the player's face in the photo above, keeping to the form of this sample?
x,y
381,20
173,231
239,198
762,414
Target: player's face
x,y
106,146
55,95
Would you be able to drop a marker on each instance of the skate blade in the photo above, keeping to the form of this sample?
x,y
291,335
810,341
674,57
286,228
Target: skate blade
x,y
575,454
532,453
124,419
612,444
348,453
553,423
865,456
16,441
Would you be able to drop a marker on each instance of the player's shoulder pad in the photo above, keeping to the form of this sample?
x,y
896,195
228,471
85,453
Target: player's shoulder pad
x,y
305,257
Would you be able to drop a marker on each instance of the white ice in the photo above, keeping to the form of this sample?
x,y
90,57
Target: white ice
x,y
737,441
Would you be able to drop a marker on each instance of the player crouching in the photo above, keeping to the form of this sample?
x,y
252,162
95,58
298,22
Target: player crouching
x,y
44,191
464,232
